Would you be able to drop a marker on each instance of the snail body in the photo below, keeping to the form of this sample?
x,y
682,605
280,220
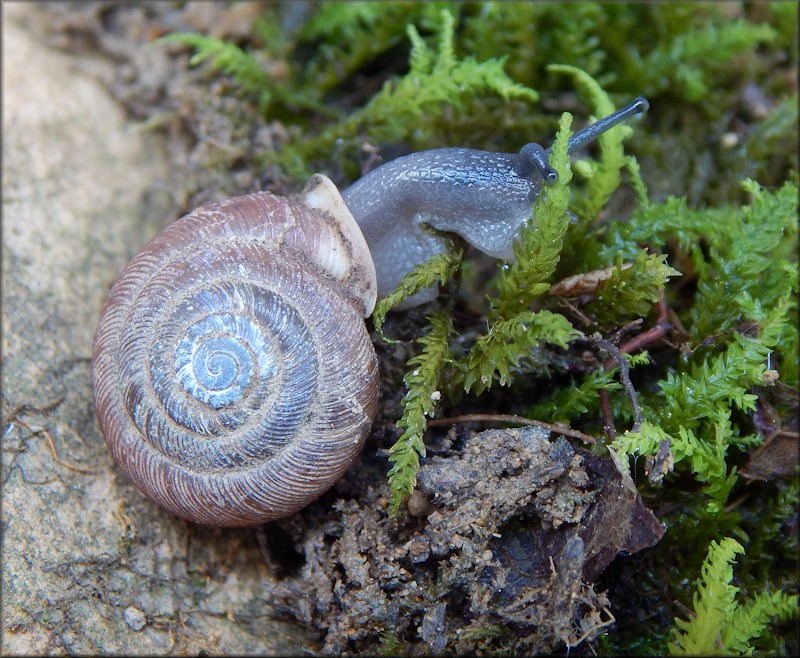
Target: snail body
x,y
481,196
475,194
234,378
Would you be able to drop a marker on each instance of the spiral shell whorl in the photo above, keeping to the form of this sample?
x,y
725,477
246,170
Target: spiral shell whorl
x,y
234,377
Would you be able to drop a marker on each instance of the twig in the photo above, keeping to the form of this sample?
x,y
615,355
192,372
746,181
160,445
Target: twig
x,y
511,418
655,333
587,321
608,417
661,328
625,329
72,467
625,378
21,409
48,438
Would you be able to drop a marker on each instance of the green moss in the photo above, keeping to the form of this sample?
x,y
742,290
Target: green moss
x,y
722,624
538,247
494,355
422,382
631,290
568,403
694,406
441,269
436,79
390,644
603,177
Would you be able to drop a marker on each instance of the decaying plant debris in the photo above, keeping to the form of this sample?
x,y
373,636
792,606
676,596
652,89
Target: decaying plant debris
x,y
510,532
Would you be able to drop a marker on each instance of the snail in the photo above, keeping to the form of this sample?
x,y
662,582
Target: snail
x,y
234,377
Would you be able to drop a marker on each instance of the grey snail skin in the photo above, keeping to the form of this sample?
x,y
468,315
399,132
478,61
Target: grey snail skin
x,y
234,378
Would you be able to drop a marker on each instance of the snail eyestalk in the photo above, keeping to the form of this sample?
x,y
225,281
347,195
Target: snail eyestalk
x,y
538,157
593,131
534,157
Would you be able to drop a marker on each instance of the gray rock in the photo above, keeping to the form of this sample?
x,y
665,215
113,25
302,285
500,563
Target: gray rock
x,y
135,618
88,565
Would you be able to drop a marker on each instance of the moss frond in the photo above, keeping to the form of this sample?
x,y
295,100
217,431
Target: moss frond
x,y
567,403
495,354
631,291
688,59
733,273
537,249
436,79
422,382
246,69
721,624
604,176
351,34
438,271
693,408
706,455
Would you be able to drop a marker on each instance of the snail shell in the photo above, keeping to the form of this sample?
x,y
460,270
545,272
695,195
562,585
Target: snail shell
x,y
234,378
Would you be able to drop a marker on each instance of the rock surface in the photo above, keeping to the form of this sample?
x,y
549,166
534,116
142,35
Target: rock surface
x,y
88,566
